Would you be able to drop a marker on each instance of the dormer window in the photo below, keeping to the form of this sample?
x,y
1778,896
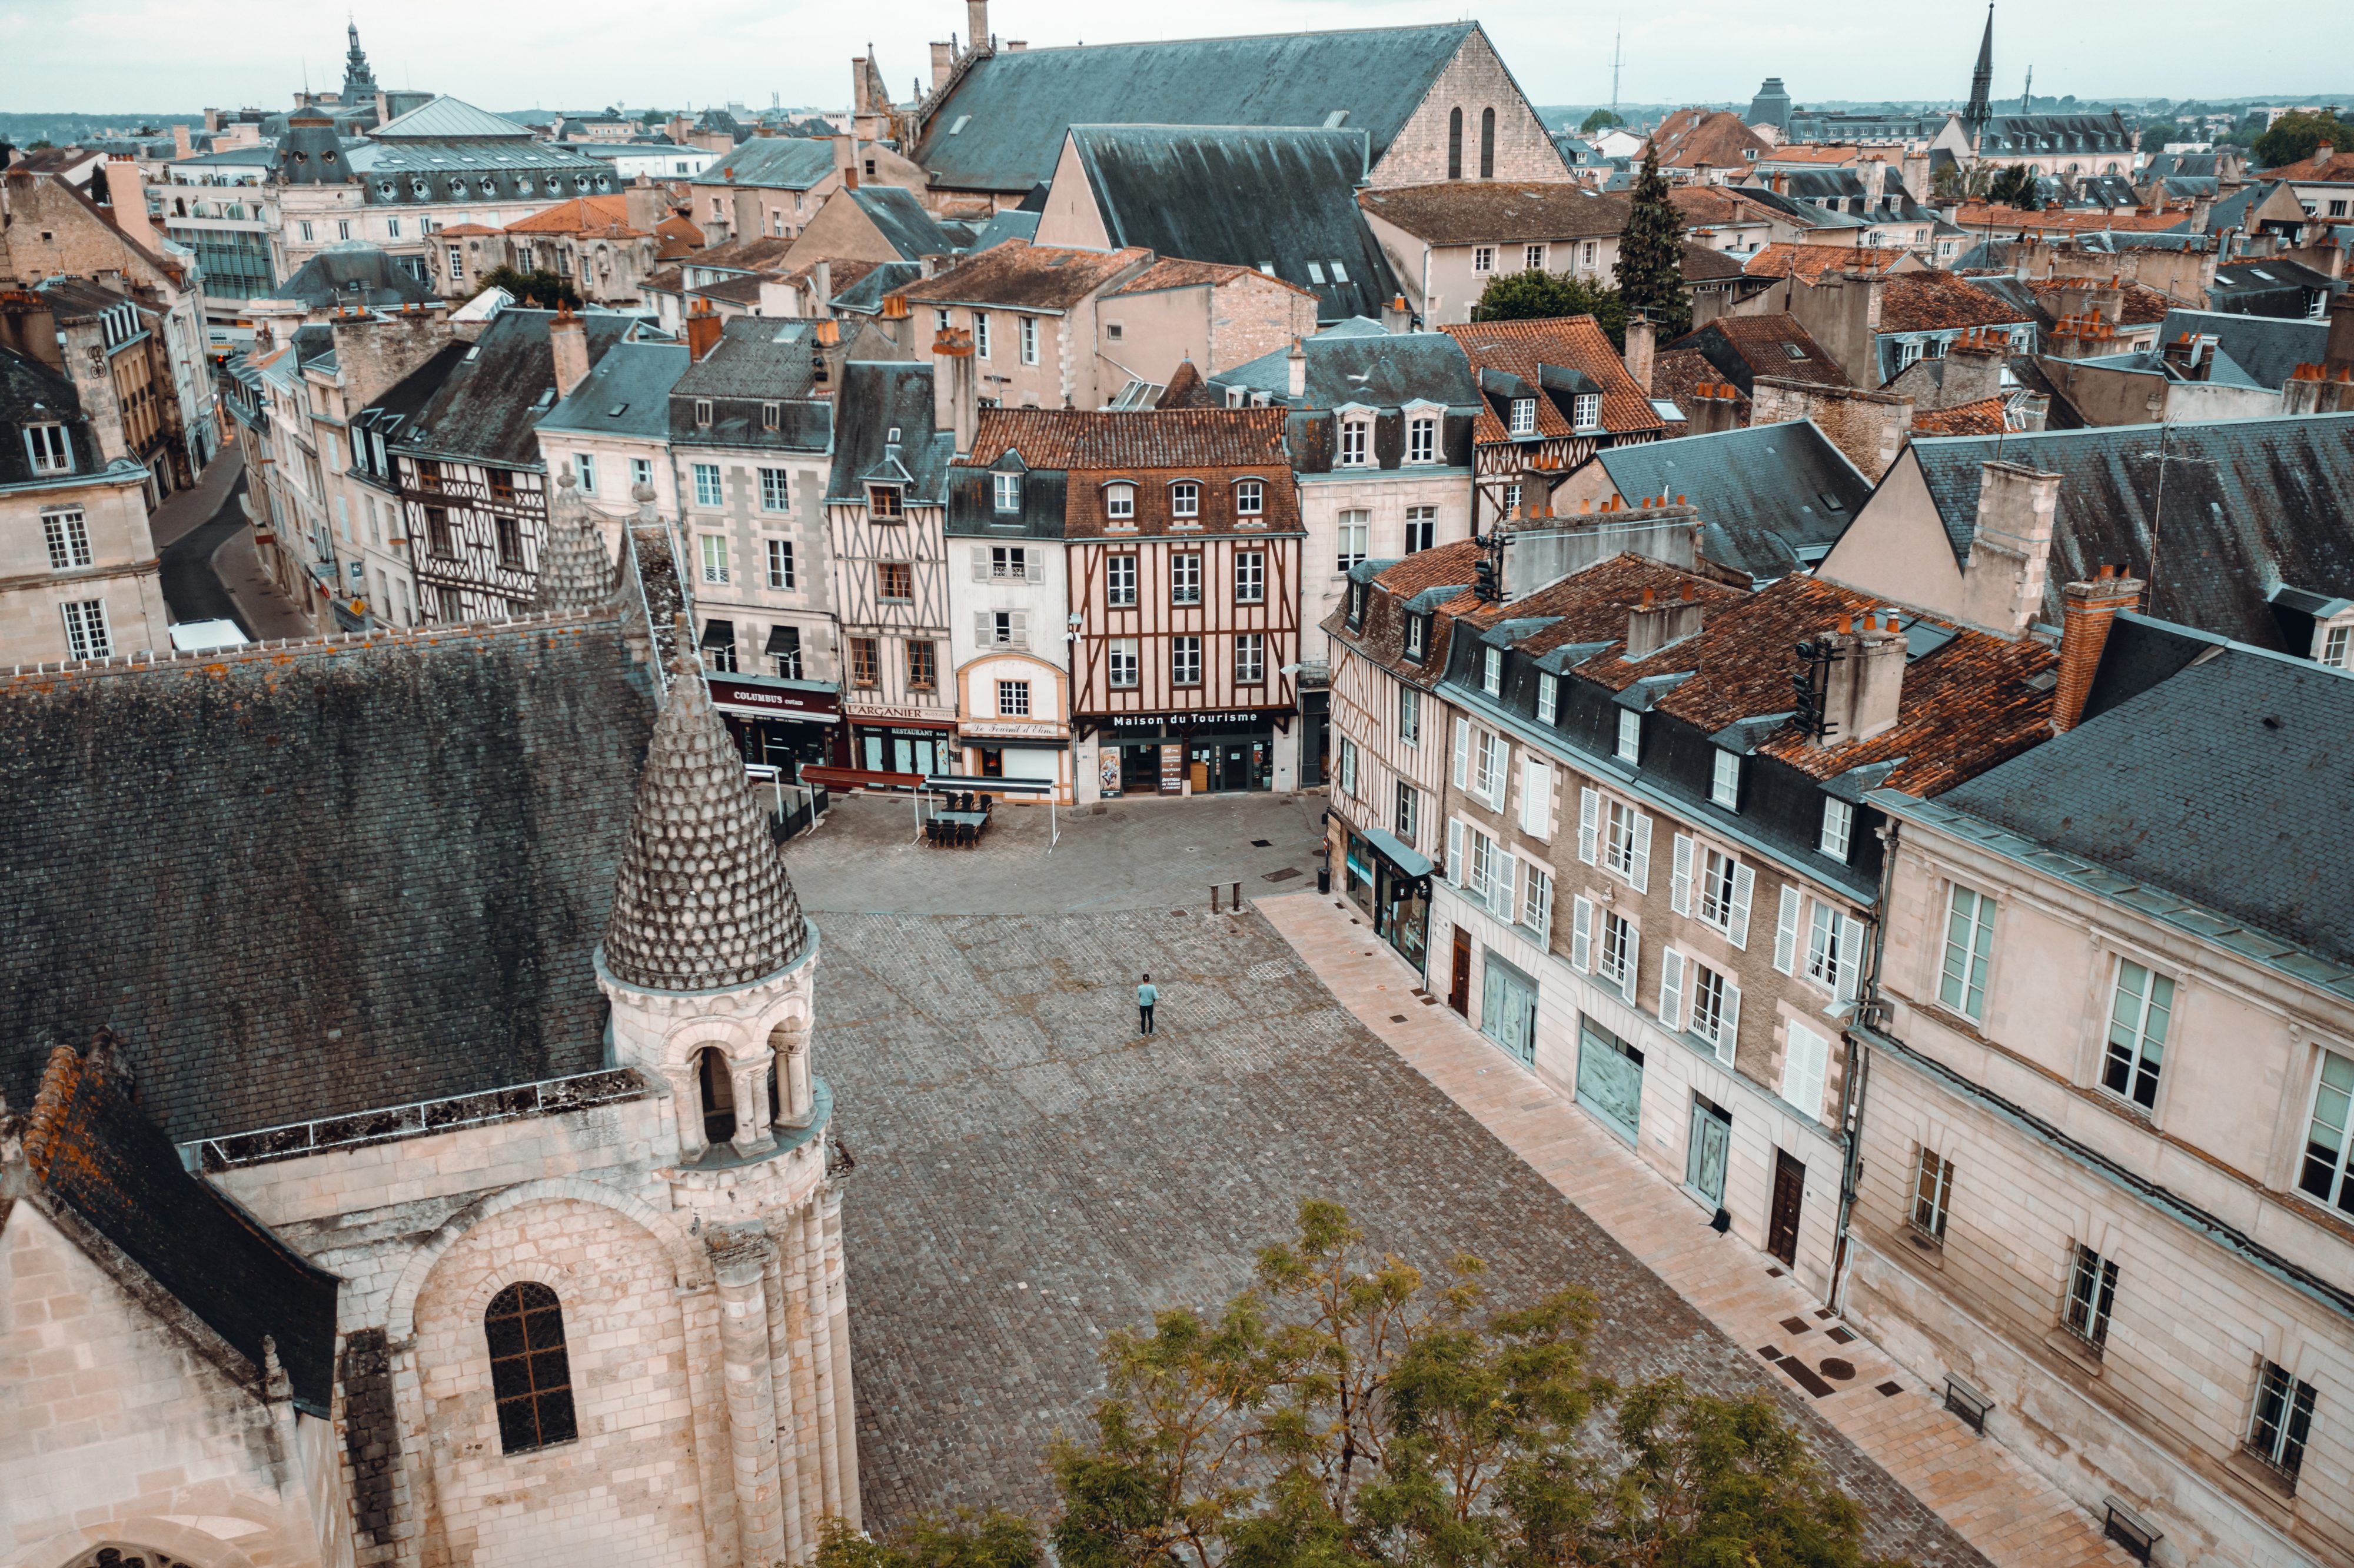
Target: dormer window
x,y
1422,441
1184,499
703,413
1585,411
771,415
1008,487
884,504
1524,416
1250,498
1354,443
1491,671
1356,606
1120,503
1417,633
1724,782
48,447
1630,735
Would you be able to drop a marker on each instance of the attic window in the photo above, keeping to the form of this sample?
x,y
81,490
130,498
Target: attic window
x,y
961,122
882,504
1315,272
772,416
1831,502
1335,120
1267,268
1794,351
1339,273
703,413
1524,416
1585,411
616,411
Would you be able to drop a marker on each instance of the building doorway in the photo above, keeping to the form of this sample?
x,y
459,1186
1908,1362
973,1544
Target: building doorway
x,y
1610,1079
1459,989
1508,1009
1789,1198
1711,1148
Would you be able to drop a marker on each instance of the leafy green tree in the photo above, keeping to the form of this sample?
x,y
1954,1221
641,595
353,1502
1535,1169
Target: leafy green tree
x,y
2157,134
1600,120
2294,137
1345,1413
1650,271
2015,187
1535,295
542,288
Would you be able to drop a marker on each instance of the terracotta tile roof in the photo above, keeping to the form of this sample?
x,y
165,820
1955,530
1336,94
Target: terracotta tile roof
x,y
1764,345
2337,170
2143,306
1021,276
2003,222
1677,373
1716,137
1832,153
578,216
1701,265
840,274
1173,273
1809,262
471,230
753,253
1382,637
679,239
1983,418
1592,605
1570,343
668,281
1929,300
1468,211
1173,438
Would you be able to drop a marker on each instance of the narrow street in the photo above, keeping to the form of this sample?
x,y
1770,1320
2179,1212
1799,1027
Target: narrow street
x,y
209,570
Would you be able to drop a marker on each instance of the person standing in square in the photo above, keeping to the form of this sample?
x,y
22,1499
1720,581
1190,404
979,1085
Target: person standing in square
x,y
1146,995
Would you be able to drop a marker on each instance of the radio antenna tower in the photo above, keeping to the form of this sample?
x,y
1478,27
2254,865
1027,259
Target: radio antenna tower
x,y
1616,56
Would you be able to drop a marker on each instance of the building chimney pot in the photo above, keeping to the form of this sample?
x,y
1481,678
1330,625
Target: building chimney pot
x,y
1296,371
2087,609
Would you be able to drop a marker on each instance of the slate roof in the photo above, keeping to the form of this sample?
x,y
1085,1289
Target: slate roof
x,y
1572,342
1764,492
877,397
2251,505
355,274
1002,125
430,820
1018,275
1468,211
904,224
1385,372
2055,134
89,1150
1281,198
1743,348
2223,783
626,393
757,360
863,294
450,117
2269,348
32,393
1939,301
772,163
487,407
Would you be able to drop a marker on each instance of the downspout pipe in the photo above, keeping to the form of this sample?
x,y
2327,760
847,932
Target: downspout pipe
x,y
1857,1077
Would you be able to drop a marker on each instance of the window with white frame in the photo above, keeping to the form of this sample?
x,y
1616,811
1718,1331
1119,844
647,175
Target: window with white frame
x,y
2141,1005
775,492
1630,735
1724,780
1585,411
1806,1064
2092,1296
1348,767
980,333
1536,795
1536,901
1614,957
1483,259
1185,660
1715,1007
49,449
88,635
1421,528
1005,628
706,484
642,470
780,563
66,532
1009,562
1627,843
1969,947
1185,577
1029,340
1012,699
1120,581
1250,498
1491,671
1356,533
1410,716
1491,872
1933,1194
1511,498
1407,818
1184,499
1123,661
1838,827
1714,885
1415,632
1250,659
1491,755
1007,489
1421,440
1831,941
1534,258
1524,416
584,465
2282,1422
2328,1170
713,547
1548,698
1250,577
1355,439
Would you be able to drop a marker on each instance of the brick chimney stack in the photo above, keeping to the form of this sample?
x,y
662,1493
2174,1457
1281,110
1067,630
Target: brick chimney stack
x,y
703,332
2087,610
1642,344
1295,382
567,339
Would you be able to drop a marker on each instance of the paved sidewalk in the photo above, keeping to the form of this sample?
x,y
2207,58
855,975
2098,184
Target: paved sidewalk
x,y
1992,1500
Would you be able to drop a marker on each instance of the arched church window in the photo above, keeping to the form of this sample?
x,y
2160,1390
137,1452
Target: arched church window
x,y
531,1377
1487,144
1455,143
718,1097
124,1557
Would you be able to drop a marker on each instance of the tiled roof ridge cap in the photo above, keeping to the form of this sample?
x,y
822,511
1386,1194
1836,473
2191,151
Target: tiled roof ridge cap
x,y
280,648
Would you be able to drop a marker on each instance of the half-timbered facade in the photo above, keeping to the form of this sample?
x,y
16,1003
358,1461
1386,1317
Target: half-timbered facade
x,y
1551,393
1183,533
884,510
471,484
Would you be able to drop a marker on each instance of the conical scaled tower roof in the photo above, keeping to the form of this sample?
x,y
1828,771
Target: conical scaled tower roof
x,y
575,572
702,901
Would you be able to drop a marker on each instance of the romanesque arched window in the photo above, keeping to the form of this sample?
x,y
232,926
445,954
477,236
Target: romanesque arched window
x,y
1487,144
1455,143
718,1096
530,1375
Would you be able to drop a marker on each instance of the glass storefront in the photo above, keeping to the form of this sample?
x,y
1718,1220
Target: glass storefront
x,y
1508,1009
1610,1079
1166,756
1391,884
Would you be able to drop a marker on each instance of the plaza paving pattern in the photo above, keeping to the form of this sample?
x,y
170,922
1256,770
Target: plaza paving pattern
x,y
1031,1173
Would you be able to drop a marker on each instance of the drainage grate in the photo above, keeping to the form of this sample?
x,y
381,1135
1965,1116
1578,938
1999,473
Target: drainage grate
x,y
1262,844
1794,1325
1773,1274
1838,1367
1887,1390
1430,1002
1825,1312
1840,1336
1397,1018
1286,875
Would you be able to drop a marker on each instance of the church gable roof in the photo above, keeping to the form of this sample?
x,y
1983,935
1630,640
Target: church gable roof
x,y
368,872
1002,126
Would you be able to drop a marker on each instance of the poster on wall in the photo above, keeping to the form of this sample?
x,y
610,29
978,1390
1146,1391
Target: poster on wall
x,y
1173,770
1109,774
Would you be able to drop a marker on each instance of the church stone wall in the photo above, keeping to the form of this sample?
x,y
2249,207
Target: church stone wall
x,y
1473,81
115,1418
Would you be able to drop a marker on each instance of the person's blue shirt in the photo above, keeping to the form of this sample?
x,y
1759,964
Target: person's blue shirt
x,y
1146,995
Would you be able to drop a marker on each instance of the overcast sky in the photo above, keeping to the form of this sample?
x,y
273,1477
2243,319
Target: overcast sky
x,y
179,54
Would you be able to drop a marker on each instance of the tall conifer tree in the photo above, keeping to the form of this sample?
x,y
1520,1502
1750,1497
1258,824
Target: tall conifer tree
x,y
1650,269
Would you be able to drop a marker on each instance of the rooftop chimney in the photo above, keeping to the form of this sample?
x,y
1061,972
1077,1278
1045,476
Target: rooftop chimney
x,y
2011,549
976,21
128,201
821,288
703,331
826,352
1654,624
2086,609
1864,685
956,402
943,63
1642,341
1716,406
567,339
1395,317
1295,381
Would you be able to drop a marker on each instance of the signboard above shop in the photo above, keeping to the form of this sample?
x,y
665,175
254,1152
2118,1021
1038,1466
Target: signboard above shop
x,y
779,699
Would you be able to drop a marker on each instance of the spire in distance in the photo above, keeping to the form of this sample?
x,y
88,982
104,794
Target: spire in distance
x,y
1981,108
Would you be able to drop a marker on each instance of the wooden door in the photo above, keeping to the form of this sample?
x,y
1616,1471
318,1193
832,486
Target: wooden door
x,y
1458,992
1789,1196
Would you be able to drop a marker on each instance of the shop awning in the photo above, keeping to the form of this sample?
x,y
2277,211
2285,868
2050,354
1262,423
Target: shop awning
x,y
1394,850
784,640
718,634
